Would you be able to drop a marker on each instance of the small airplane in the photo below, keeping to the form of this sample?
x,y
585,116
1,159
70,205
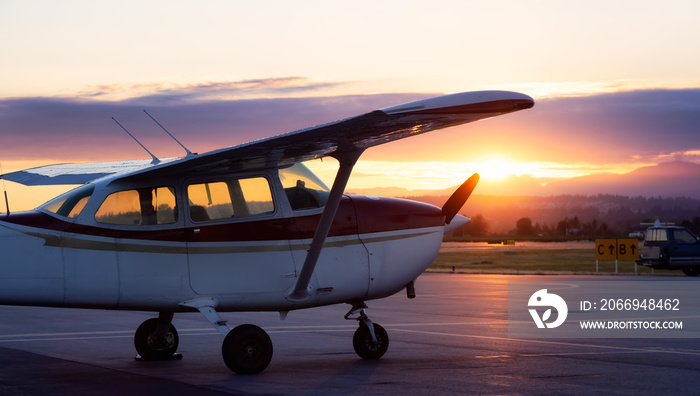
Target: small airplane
x,y
244,228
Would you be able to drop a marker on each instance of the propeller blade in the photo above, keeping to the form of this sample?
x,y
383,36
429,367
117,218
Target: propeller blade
x,y
459,197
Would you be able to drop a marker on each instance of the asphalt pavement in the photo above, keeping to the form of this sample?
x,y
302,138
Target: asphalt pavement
x,y
451,339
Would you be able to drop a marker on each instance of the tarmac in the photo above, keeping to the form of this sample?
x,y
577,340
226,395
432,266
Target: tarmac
x,y
451,339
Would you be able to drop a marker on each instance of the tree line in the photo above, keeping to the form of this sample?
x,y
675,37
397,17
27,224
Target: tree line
x,y
588,216
524,226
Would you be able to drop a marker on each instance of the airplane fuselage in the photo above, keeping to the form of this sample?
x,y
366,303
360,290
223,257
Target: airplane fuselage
x,y
51,257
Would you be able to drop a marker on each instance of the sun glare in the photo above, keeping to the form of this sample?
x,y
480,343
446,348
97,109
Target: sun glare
x,y
443,175
495,168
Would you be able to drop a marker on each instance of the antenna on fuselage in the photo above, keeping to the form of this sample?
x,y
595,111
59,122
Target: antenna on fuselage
x,y
155,159
170,134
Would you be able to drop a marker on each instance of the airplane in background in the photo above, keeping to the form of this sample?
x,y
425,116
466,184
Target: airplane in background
x,y
244,228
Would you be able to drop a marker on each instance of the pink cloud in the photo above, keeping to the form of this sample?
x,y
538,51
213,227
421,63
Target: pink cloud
x,y
636,126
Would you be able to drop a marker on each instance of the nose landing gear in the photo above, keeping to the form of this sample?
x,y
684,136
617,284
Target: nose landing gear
x,y
370,340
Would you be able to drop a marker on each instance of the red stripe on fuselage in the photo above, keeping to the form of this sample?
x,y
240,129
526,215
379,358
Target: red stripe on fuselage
x,y
356,215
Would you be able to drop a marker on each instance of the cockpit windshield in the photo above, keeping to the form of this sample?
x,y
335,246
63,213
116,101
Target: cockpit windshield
x,y
71,203
304,190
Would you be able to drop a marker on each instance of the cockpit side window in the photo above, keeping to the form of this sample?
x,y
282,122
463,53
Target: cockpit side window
x,y
230,198
303,189
143,206
70,204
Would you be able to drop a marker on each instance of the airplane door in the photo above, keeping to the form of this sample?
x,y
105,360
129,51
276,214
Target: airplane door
x,y
342,272
238,243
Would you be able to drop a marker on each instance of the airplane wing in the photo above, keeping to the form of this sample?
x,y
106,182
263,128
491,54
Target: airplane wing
x,y
348,135
79,173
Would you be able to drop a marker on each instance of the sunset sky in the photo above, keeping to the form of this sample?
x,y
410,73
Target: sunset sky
x,y
616,83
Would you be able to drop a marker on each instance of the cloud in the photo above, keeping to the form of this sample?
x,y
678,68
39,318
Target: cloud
x,y
82,130
158,93
645,123
613,128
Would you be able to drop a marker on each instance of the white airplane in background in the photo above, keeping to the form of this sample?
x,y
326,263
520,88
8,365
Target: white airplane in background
x,y
245,228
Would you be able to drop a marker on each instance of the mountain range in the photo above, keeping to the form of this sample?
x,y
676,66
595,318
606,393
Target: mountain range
x,y
667,180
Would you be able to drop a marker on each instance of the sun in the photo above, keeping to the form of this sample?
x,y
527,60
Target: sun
x,y
495,168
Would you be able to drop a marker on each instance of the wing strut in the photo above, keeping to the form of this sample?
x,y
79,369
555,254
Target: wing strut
x,y
347,161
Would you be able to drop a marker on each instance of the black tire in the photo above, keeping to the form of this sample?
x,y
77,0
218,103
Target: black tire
x,y
691,271
247,349
365,347
151,347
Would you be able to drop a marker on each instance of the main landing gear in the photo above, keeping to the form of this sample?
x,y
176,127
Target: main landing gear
x,y
247,349
157,339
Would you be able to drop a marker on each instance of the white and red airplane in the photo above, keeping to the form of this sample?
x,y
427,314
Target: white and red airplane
x,y
245,228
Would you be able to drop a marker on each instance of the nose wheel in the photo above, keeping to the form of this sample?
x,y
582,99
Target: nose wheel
x,y
370,341
366,347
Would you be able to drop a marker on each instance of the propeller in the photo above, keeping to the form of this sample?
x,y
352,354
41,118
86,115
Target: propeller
x,y
459,197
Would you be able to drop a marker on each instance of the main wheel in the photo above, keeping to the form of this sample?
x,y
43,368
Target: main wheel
x,y
365,347
247,349
691,271
152,347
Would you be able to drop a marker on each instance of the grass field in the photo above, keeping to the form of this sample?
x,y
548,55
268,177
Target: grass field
x,y
531,258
